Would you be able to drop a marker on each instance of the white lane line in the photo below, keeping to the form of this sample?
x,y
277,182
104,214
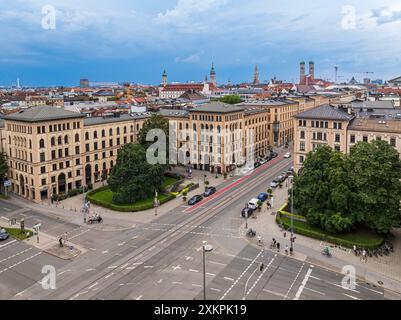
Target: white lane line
x,y
219,263
16,255
313,277
197,285
242,274
18,263
192,270
229,279
210,274
214,289
352,297
20,293
123,266
121,243
318,292
176,282
105,251
148,267
274,293
8,243
138,298
260,277
90,269
292,284
302,286
108,276
59,274
111,267
93,285
348,289
378,292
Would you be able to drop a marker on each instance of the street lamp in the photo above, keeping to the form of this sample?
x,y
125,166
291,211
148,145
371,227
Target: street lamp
x,y
205,248
292,213
156,202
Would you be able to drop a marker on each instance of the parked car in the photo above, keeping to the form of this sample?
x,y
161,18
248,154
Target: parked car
x,y
262,161
273,155
257,164
209,191
254,203
195,200
280,179
263,196
285,175
3,234
267,158
287,155
247,211
274,184
290,171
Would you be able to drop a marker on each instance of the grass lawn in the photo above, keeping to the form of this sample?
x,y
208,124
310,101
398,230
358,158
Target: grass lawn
x,y
16,233
361,238
106,197
168,181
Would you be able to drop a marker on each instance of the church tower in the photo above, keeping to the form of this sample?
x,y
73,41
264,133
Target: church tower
x,y
312,69
164,78
302,76
256,75
213,75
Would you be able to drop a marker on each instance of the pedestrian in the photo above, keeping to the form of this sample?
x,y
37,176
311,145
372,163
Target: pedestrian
x,y
285,234
259,239
354,248
60,240
365,258
291,251
286,250
278,246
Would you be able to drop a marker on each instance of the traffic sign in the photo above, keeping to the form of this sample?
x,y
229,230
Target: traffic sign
x,y
7,183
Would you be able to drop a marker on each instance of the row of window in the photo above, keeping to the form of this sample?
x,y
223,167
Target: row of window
x,y
58,127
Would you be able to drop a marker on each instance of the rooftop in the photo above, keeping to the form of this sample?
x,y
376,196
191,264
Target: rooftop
x,y
218,107
325,112
376,125
42,113
111,119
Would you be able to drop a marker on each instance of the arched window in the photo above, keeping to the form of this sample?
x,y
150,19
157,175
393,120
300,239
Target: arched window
x,y
66,139
60,140
77,137
111,132
118,130
53,141
103,133
30,144
104,165
41,143
111,164
125,129
96,168
95,135
86,135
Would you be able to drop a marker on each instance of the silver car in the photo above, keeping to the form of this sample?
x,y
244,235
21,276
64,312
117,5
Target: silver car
x,y
274,184
3,234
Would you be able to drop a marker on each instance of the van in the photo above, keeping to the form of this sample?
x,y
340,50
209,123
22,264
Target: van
x,y
254,204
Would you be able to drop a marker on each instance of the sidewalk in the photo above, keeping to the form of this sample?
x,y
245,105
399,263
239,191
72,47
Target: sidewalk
x,y
382,271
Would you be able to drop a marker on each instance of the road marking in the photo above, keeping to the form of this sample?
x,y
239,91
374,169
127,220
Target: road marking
x,y
91,269
131,268
192,270
20,293
229,279
8,243
93,285
78,294
210,274
105,251
18,263
123,266
214,289
274,293
133,238
219,263
108,276
348,289
137,263
378,292
160,281
309,289
15,255
177,267
352,297
176,282
148,267
63,272
111,267
197,285
302,286
188,258
260,277
121,243
313,277
292,284
138,298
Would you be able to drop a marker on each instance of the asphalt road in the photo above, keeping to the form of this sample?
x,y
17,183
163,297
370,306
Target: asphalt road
x,y
163,259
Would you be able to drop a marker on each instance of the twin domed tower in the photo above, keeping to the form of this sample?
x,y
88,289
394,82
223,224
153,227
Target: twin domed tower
x,y
212,77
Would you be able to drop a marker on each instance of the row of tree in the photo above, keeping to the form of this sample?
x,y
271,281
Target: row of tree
x,y
133,178
338,192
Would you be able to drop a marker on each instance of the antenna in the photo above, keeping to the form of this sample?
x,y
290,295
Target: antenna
x,y
336,73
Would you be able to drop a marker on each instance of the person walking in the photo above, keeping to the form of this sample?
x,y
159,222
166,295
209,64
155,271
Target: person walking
x,y
365,258
286,250
259,239
278,246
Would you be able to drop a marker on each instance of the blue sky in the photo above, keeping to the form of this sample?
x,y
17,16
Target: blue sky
x,y
132,40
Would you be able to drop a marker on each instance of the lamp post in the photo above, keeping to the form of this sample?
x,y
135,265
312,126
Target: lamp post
x,y
292,213
156,202
205,248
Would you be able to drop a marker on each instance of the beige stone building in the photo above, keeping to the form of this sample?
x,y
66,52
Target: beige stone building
x,y
341,130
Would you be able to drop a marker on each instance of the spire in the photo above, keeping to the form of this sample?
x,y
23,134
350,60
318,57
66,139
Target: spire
x,y
256,75
164,78
212,71
213,75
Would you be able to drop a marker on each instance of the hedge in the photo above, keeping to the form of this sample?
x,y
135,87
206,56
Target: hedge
x,y
371,241
122,208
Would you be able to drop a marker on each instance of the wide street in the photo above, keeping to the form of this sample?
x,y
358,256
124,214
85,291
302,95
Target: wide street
x,y
163,259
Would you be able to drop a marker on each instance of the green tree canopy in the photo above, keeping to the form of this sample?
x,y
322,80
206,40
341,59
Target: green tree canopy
x,y
133,178
375,173
231,99
156,121
3,168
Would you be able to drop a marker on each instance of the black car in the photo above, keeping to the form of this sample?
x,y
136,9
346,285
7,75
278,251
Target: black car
x,y
257,164
195,200
274,155
209,191
247,211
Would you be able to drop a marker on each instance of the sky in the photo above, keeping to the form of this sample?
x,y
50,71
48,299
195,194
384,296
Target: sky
x,y
57,42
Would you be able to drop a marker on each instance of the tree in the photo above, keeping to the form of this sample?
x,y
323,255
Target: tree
x,y
156,121
231,99
3,168
133,178
321,192
375,172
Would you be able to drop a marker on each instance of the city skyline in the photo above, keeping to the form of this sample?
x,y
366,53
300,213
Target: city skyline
x,y
132,41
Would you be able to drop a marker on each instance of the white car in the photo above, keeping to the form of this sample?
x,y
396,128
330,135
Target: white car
x,y
274,184
287,155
